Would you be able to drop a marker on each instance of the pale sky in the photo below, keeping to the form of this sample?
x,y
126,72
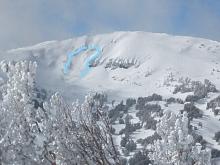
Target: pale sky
x,y
27,22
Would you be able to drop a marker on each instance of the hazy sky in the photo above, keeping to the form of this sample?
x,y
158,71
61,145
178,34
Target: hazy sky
x,y
26,22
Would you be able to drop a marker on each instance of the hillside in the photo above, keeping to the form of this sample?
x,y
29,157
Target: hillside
x,y
132,65
156,56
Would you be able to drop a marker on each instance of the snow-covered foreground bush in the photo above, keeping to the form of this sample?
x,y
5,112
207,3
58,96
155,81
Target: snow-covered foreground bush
x,y
81,134
176,146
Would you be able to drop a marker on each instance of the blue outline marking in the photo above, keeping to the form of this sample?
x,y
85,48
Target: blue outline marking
x,y
91,59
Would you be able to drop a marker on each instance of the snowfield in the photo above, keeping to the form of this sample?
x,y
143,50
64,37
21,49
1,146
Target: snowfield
x,y
158,56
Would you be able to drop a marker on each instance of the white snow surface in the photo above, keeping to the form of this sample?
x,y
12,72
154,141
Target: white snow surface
x,y
159,55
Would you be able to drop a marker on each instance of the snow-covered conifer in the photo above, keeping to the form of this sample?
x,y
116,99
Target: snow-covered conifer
x,y
20,133
176,146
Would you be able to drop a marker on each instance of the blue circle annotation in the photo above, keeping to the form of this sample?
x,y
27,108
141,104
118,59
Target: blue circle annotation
x,y
89,60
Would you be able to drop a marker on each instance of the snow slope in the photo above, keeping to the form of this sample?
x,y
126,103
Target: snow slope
x,y
159,56
161,60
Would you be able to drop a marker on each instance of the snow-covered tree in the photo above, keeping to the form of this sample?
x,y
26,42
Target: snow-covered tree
x,y
80,133
176,146
121,63
20,132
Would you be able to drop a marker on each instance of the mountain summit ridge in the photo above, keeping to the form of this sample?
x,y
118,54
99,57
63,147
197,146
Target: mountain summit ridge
x,y
148,60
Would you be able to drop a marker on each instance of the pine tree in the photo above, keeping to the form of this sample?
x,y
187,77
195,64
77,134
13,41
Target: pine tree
x,y
21,141
176,146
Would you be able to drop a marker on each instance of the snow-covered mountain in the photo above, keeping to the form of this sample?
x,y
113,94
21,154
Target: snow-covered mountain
x,y
132,64
152,60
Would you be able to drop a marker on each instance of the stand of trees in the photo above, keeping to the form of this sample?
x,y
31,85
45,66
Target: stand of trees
x,y
176,146
55,132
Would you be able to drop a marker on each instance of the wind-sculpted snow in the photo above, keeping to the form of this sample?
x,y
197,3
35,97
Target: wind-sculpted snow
x,y
88,62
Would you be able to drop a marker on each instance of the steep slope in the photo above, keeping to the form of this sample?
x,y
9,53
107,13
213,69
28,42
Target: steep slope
x,y
156,58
